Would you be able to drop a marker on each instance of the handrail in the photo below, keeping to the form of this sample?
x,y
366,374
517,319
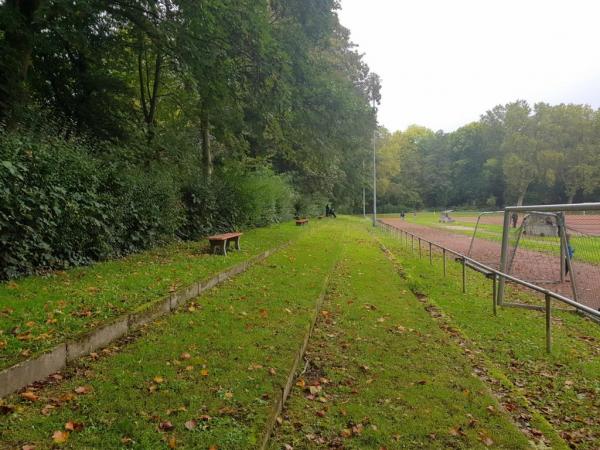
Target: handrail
x,y
514,279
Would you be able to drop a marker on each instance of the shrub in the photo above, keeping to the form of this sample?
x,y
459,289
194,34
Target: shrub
x,y
51,214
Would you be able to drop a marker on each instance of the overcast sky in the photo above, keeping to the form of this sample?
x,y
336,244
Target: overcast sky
x,y
444,63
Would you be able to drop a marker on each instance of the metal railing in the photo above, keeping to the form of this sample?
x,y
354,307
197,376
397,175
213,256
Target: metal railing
x,y
495,275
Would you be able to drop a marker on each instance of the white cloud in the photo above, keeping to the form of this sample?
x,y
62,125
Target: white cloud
x,y
444,63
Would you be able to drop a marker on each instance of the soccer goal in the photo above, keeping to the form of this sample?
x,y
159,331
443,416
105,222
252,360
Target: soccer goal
x,y
554,246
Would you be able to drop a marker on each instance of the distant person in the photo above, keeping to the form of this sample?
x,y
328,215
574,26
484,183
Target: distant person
x,y
332,212
327,210
514,217
402,215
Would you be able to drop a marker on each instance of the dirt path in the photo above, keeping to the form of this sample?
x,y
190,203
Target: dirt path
x,y
529,265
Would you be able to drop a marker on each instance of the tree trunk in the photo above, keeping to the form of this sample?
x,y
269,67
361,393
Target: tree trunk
x,y
207,163
521,198
149,97
570,198
17,58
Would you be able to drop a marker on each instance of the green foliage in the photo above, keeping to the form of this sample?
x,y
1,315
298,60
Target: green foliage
x,y
235,198
514,154
197,118
52,213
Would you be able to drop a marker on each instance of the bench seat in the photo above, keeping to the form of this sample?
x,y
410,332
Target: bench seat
x,y
221,242
300,222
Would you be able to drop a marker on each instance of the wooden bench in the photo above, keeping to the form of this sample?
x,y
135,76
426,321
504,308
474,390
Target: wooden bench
x,y
221,242
301,222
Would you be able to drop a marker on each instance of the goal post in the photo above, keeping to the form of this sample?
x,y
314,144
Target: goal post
x,y
542,244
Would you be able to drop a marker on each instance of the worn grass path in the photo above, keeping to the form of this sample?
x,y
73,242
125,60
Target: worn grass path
x,y
202,377
38,312
381,374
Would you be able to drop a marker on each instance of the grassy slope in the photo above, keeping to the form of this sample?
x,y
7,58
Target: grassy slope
x,y
383,374
563,386
236,334
38,312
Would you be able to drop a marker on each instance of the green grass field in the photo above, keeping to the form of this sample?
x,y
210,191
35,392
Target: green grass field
x,y
399,358
38,312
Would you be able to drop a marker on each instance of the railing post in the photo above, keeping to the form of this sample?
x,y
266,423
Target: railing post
x,y
548,324
494,282
504,255
420,253
444,260
412,243
430,260
464,277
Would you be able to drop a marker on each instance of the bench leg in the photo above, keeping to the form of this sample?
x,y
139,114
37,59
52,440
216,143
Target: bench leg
x,y
224,248
237,243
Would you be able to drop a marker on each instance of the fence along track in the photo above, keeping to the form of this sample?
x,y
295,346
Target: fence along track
x,y
495,275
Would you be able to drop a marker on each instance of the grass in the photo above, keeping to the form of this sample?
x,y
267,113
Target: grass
x,y
387,368
215,366
39,312
564,386
381,374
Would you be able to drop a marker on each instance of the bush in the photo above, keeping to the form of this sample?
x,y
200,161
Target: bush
x,y
147,209
61,205
234,199
51,214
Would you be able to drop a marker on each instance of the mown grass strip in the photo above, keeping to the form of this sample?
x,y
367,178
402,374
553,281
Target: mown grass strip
x,y
37,313
383,375
204,376
564,387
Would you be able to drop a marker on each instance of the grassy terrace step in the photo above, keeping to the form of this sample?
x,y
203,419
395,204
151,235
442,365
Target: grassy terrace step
x,y
38,312
383,375
563,386
214,365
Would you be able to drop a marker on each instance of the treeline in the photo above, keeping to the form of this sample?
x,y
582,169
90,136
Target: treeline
x,y
514,154
133,122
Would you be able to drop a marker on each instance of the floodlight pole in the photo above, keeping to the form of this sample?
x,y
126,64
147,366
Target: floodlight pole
x,y
374,170
364,191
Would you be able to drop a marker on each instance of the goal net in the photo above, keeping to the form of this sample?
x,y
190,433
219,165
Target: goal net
x,y
556,247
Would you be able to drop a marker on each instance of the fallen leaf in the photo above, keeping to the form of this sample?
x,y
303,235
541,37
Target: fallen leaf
x,y
204,372
46,410
166,426
6,409
28,395
159,380
254,366
172,442
190,424
264,313
60,437
272,371
73,426
185,356
82,390
228,395
28,447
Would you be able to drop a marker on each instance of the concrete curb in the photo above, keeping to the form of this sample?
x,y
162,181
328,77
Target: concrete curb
x,y
283,393
23,374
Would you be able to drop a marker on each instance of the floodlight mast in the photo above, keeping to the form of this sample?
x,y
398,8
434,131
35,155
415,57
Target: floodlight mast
x,y
374,170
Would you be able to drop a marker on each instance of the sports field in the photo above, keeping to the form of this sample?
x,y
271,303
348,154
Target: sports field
x,y
536,260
